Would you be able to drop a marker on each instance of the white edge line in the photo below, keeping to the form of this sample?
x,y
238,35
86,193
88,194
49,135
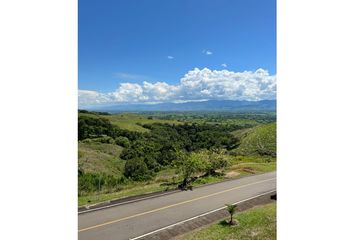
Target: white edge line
x,y
121,203
201,215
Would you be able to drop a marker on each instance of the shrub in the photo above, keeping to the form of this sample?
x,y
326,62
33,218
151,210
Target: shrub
x,y
231,210
137,170
122,141
189,165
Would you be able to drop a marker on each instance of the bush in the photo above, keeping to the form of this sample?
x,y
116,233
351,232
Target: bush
x,y
122,141
137,170
215,161
88,182
188,165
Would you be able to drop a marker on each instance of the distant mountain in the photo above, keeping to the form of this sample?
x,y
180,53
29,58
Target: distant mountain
x,y
211,105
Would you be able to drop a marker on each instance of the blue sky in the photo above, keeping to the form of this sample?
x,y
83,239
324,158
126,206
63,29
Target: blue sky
x,y
160,41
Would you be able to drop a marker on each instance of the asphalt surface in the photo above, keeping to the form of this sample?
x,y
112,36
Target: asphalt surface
x,y
135,219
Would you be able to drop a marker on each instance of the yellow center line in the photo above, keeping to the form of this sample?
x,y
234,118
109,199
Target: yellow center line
x,y
173,205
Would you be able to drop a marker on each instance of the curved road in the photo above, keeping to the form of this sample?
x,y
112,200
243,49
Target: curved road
x,y
135,219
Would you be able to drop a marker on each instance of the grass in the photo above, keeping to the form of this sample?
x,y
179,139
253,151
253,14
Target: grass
x,y
167,180
251,159
241,132
101,158
254,167
228,118
245,165
258,223
257,140
164,180
133,122
130,121
133,189
239,122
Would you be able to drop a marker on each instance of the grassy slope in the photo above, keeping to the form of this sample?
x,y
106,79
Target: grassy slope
x,y
130,121
262,138
256,223
165,180
101,158
240,122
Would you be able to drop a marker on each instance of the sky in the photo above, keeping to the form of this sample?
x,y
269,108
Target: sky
x,y
149,51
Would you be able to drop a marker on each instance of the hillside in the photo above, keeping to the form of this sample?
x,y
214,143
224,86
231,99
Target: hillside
x,y
129,154
260,140
130,121
134,122
100,158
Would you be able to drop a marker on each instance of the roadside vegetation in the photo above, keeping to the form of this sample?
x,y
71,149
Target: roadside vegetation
x,y
231,210
257,223
129,154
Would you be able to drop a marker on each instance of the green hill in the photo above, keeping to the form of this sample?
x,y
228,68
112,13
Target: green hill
x,y
100,158
134,122
130,121
259,140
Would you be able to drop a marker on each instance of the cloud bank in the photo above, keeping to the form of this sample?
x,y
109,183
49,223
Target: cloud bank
x,y
195,85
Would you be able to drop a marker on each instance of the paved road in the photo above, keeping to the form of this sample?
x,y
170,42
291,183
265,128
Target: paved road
x,y
135,219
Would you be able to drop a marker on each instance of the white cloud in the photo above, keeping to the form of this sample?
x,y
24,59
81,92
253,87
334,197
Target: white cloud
x,y
88,97
207,52
170,57
195,85
224,65
128,92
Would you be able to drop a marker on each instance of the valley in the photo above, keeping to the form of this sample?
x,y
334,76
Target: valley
x,y
129,154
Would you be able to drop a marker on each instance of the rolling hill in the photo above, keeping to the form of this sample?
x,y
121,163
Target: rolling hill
x,y
259,140
130,121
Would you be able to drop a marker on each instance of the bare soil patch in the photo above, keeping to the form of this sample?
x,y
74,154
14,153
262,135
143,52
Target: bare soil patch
x,y
232,174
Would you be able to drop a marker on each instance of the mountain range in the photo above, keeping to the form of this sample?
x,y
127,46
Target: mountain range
x,y
210,105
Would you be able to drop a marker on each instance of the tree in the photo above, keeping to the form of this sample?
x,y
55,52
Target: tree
x,y
189,165
231,209
167,154
215,160
136,169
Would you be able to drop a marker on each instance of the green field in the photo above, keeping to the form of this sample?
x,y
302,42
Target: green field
x,y
242,119
258,223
